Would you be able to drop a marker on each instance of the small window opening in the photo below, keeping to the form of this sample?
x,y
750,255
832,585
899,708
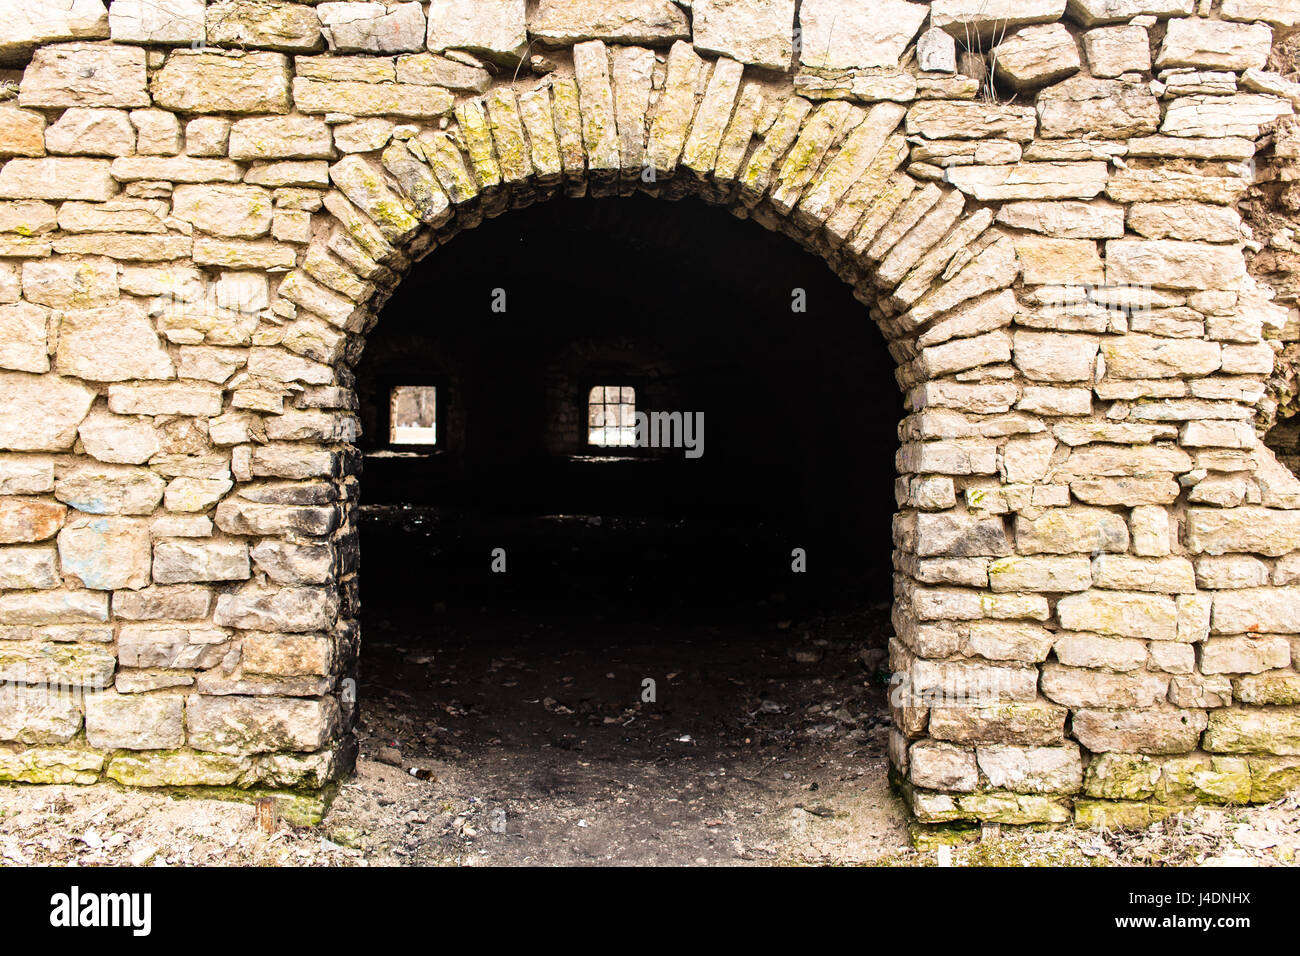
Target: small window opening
x,y
413,416
611,416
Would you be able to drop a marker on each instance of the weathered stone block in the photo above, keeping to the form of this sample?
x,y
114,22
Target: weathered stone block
x,y
194,81
179,562
1153,731
1075,530
50,765
134,722
1120,614
1257,610
263,25
109,489
85,74
246,725
1032,769
1013,722
287,655
1215,45
940,766
373,27
38,715
649,22
57,178
106,554
493,27
291,610
755,33
24,520
1269,730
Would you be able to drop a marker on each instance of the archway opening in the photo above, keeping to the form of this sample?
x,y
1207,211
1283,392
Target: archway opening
x,y
545,591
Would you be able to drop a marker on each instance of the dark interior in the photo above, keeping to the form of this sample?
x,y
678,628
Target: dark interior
x,y
694,309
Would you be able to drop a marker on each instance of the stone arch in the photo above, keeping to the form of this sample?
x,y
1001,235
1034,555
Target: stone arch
x,y
1095,556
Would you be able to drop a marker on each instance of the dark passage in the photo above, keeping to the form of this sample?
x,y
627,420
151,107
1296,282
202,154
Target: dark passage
x,y
526,691
693,309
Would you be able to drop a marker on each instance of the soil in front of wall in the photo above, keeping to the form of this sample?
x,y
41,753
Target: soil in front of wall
x,y
538,747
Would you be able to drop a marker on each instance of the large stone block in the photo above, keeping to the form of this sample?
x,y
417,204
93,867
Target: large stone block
x,y
134,722
179,769
759,33
24,337
57,178
109,489
1036,56
22,132
85,74
38,715
28,25
649,22
1250,530
40,412
118,439
28,568
53,607
373,27
1166,263
1075,530
172,646
1085,107
193,81
1152,731
1120,614
1092,12
1244,654
1079,687
1256,611
1014,722
290,137
492,27
985,19
112,344
287,655
291,610
1269,730
941,766
237,211
56,666
1032,769
165,22
1215,45
841,35
179,562
250,725
263,25
25,520
50,765
106,554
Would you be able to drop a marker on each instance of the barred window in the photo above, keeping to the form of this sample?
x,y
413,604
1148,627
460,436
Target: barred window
x,y
413,416
611,416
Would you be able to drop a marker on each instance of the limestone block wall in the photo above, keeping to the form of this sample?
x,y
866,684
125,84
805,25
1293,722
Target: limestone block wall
x,y
203,205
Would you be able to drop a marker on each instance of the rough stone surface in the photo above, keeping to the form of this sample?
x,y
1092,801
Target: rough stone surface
x,y
1095,558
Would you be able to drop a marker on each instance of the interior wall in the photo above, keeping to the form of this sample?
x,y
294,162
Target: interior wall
x,y
800,412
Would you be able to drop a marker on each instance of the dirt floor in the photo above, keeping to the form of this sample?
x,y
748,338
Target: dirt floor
x,y
537,749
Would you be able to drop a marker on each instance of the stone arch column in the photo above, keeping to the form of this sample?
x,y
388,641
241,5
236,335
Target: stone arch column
x,y
1094,556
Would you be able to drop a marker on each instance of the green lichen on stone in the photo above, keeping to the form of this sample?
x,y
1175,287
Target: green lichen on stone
x,y
1119,814
298,808
1117,776
176,768
929,836
50,765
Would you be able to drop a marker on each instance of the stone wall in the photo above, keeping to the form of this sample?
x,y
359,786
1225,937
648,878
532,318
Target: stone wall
x,y
204,205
